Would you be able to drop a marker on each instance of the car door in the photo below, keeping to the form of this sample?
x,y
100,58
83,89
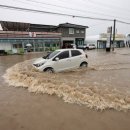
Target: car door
x,y
64,61
76,58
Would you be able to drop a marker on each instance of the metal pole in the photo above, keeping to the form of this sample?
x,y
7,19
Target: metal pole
x,y
114,30
110,37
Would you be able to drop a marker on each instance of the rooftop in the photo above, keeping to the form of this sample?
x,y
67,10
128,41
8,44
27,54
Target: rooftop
x,y
72,25
20,26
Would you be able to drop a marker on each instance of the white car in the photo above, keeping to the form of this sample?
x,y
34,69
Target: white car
x,y
84,47
61,60
91,46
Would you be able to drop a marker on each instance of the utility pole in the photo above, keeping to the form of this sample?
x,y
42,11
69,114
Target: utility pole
x,y
110,38
114,30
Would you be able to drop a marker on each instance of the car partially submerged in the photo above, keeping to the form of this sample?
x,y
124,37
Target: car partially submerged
x,y
61,60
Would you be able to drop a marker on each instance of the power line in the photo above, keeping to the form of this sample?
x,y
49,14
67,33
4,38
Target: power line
x,y
31,4
106,6
79,10
53,13
60,14
86,10
123,22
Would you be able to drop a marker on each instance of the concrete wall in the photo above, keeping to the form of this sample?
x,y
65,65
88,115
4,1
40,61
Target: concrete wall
x,y
65,32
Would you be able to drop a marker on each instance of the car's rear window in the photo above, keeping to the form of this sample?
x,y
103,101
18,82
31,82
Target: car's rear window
x,y
75,53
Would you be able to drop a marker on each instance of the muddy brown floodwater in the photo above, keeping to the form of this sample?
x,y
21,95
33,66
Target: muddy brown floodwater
x,y
95,98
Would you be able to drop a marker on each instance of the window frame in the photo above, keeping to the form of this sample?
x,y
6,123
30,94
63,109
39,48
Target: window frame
x,y
82,31
71,30
77,31
61,53
75,55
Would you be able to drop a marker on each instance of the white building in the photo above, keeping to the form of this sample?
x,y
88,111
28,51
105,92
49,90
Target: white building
x,y
101,40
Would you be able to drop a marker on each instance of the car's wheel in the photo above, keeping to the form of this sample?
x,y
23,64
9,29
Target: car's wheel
x,y
84,65
49,70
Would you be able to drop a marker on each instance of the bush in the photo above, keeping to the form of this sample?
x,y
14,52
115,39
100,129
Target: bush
x,y
9,52
20,51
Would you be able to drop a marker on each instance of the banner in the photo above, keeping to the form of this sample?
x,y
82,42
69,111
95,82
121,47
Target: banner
x,y
32,34
108,44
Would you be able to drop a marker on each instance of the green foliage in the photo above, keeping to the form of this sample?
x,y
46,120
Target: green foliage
x,y
9,52
20,51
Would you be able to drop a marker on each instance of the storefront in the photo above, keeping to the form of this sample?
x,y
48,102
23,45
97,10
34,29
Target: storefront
x,y
118,44
119,41
79,41
25,45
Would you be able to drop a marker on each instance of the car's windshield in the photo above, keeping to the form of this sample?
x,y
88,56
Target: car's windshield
x,y
50,55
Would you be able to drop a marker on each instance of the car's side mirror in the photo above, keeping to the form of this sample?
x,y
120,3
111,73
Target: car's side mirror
x,y
57,59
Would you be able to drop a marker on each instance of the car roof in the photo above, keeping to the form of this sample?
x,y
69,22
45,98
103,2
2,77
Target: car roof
x,y
67,49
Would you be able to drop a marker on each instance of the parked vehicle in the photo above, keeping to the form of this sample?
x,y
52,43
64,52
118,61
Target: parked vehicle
x,y
91,46
84,47
73,46
61,60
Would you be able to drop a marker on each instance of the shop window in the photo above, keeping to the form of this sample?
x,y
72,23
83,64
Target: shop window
x,y
17,45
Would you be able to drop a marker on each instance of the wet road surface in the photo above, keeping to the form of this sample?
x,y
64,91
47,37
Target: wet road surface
x,y
20,109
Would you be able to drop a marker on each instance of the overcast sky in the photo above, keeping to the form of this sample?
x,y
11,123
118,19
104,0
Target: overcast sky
x,y
110,9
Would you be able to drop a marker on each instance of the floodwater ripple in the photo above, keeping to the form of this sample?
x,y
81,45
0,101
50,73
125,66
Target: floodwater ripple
x,y
70,86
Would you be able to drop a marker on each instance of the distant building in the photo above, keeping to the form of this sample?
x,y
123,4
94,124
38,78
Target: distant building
x,y
22,37
72,34
101,40
17,36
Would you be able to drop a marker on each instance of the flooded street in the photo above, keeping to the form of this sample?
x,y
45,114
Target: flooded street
x,y
95,98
